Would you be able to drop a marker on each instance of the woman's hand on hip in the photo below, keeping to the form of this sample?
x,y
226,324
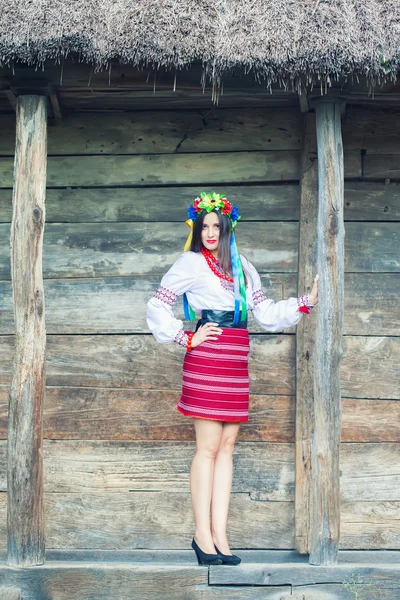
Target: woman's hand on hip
x,y
208,331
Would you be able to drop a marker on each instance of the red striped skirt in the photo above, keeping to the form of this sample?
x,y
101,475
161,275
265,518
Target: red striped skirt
x,y
215,378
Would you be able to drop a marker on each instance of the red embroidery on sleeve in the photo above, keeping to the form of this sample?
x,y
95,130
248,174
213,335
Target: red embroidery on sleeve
x,y
181,337
258,297
166,295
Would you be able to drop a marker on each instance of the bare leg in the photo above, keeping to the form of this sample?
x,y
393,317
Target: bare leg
x,y
222,485
208,438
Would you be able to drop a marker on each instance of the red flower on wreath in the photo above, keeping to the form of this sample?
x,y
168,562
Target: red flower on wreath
x,y
227,208
196,205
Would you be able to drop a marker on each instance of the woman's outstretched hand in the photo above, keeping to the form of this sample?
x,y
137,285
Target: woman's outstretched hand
x,y
208,331
313,295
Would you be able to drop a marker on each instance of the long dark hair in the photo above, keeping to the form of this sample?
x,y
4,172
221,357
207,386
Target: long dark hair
x,y
225,232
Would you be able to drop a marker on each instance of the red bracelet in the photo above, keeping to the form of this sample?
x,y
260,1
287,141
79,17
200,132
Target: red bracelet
x,y
189,342
304,309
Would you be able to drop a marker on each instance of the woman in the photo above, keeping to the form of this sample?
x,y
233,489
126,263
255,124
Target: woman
x,y
221,284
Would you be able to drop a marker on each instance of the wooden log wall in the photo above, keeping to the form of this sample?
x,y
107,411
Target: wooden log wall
x,y
116,451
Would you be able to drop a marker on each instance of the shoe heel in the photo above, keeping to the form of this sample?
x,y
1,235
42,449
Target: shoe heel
x,y
203,558
228,559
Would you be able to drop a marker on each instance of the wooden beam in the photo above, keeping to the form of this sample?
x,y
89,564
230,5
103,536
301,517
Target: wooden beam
x,y
11,97
27,86
25,507
325,496
55,104
17,86
305,336
303,100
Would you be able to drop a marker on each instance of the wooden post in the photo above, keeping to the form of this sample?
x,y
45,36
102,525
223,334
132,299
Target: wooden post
x,y
325,505
25,508
305,336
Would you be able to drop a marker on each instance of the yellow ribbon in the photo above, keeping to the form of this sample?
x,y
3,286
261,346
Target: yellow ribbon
x,y
189,223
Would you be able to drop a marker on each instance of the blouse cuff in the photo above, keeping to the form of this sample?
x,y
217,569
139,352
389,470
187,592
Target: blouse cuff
x,y
303,303
181,337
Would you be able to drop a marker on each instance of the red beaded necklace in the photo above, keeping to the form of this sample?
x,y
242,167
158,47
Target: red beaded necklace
x,y
212,261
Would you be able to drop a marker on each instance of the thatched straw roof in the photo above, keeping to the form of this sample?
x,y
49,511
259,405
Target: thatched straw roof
x,y
278,40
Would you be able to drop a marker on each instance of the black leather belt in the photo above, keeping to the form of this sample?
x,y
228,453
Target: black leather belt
x,y
224,318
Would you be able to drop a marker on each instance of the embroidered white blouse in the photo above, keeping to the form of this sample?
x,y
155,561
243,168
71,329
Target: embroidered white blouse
x,y
190,273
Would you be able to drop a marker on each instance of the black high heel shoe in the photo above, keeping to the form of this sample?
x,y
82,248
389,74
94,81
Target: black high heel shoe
x,y
205,559
229,559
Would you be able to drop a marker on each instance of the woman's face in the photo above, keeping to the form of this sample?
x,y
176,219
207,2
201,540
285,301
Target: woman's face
x,y
210,232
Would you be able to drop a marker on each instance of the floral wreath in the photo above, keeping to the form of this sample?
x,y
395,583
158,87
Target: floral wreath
x,y
211,202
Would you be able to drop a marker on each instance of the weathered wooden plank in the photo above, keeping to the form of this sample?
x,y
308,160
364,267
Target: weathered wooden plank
x,y
154,520
91,205
371,420
300,574
370,525
25,517
369,367
163,169
164,520
186,556
371,201
81,413
189,97
372,247
369,472
77,466
130,362
129,580
136,415
91,250
166,169
144,582
104,305
79,76
112,100
381,166
305,336
352,587
364,200
117,304
138,580
364,296
325,491
376,130
102,582
147,132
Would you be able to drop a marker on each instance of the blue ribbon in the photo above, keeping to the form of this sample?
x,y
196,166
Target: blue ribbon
x,y
190,314
238,283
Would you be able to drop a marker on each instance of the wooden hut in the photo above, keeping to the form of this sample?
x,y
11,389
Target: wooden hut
x,y
113,117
